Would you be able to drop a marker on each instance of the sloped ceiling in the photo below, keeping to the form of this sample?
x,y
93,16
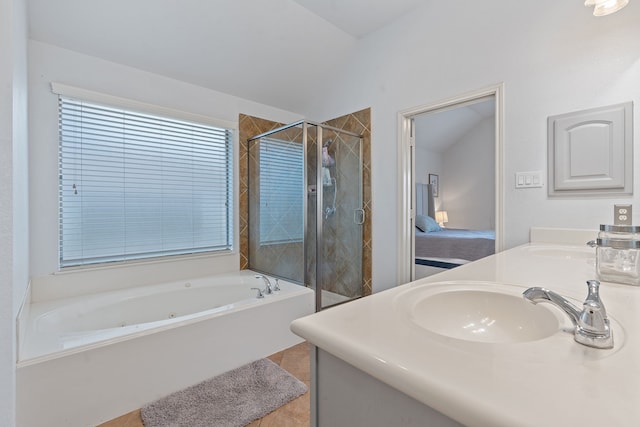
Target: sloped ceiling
x,y
273,52
360,17
439,130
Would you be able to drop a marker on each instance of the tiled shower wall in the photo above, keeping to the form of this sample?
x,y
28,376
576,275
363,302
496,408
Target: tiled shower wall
x,y
358,122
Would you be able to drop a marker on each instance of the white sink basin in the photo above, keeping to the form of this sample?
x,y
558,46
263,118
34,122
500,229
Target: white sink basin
x,y
487,314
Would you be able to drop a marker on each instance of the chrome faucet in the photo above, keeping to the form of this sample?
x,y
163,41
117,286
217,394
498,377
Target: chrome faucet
x,y
591,325
267,290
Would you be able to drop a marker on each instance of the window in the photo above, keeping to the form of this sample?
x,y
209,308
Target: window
x,y
281,191
135,185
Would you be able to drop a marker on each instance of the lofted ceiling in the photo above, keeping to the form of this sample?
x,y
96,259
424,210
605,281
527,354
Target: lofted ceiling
x,y
360,17
272,52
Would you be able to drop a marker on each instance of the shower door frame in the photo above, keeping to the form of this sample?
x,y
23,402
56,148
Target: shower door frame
x,y
319,197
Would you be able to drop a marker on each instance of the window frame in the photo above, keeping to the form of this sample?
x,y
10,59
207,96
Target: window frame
x,y
133,106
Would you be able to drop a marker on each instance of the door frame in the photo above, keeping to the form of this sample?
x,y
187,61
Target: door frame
x,y
406,172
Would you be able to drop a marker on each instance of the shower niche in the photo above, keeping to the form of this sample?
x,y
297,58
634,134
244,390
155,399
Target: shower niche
x,y
306,211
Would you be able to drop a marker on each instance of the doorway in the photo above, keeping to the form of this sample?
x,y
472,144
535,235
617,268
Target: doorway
x,y
445,122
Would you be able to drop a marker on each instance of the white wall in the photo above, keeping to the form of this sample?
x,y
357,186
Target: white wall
x,y
13,192
427,161
553,57
48,64
467,182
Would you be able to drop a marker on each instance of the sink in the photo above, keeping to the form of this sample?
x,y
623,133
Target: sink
x,y
485,313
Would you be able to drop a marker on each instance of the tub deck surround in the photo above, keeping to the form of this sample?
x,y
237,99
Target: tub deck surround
x,y
55,328
550,381
80,366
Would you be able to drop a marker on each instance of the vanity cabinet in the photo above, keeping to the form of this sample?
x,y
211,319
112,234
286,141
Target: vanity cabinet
x,y
401,357
347,396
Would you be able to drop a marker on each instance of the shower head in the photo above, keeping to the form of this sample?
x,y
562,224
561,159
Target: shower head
x,y
327,143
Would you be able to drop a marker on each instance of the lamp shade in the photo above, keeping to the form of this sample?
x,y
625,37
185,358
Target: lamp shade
x,y
442,217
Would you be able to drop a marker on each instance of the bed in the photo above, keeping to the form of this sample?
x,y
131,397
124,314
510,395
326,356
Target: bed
x,y
451,247
446,248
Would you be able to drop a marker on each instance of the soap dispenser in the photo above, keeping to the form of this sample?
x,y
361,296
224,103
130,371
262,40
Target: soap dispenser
x,y
618,254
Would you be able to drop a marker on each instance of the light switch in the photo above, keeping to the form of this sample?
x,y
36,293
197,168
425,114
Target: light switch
x,y
529,179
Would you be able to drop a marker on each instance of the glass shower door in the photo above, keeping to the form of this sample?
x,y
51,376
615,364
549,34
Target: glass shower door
x,y
340,217
277,204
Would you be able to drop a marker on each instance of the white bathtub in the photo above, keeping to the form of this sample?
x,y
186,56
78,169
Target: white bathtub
x,y
88,359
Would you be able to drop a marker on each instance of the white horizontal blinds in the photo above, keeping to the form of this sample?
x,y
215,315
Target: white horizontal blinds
x,y
134,185
281,191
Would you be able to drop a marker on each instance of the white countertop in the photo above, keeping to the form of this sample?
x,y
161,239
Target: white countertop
x,y
549,382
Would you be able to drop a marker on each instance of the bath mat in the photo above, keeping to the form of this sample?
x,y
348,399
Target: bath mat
x,y
233,399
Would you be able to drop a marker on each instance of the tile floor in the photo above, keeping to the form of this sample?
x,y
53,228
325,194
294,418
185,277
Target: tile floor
x,y
295,360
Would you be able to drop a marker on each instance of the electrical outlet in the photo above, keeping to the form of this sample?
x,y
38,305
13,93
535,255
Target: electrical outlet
x,y
622,214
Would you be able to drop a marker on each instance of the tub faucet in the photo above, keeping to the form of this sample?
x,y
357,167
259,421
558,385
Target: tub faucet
x,y
591,325
268,290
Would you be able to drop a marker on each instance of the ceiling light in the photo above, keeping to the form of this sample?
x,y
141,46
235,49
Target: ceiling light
x,y
606,7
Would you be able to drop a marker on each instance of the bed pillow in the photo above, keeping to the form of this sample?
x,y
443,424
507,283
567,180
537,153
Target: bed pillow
x,y
427,224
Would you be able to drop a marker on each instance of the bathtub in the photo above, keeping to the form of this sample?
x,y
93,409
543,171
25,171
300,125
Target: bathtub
x,y
88,359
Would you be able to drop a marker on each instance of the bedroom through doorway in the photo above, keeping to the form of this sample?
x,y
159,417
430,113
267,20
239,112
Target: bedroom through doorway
x,y
453,183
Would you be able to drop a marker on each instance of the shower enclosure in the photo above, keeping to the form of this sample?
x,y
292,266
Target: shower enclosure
x,y
305,208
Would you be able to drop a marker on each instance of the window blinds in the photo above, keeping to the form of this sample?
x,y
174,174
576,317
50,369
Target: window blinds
x,y
134,185
281,191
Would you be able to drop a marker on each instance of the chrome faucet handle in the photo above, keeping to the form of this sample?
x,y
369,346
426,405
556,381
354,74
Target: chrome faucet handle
x,y
276,287
593,297
593,328
593,318
592,244
260,294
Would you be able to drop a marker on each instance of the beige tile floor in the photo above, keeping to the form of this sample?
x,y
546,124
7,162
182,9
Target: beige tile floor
x,y
295,360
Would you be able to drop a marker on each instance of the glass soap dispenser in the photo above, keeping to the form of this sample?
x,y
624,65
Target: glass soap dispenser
x,y
618,254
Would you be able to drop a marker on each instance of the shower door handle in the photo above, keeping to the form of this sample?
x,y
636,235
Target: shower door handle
x,y
358,216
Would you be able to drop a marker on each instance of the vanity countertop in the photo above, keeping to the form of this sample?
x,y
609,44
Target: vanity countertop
x,y
546,382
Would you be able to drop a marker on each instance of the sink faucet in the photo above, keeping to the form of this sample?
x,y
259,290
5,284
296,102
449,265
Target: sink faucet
x,y
267,283
591,325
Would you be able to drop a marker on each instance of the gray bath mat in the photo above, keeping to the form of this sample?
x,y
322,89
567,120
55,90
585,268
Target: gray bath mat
x,y
232,399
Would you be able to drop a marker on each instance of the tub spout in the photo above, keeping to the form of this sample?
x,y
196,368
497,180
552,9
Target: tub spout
x,y
591,325
267,290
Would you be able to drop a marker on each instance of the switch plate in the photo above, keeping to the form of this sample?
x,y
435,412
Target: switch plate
x,y
622,214
529,179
